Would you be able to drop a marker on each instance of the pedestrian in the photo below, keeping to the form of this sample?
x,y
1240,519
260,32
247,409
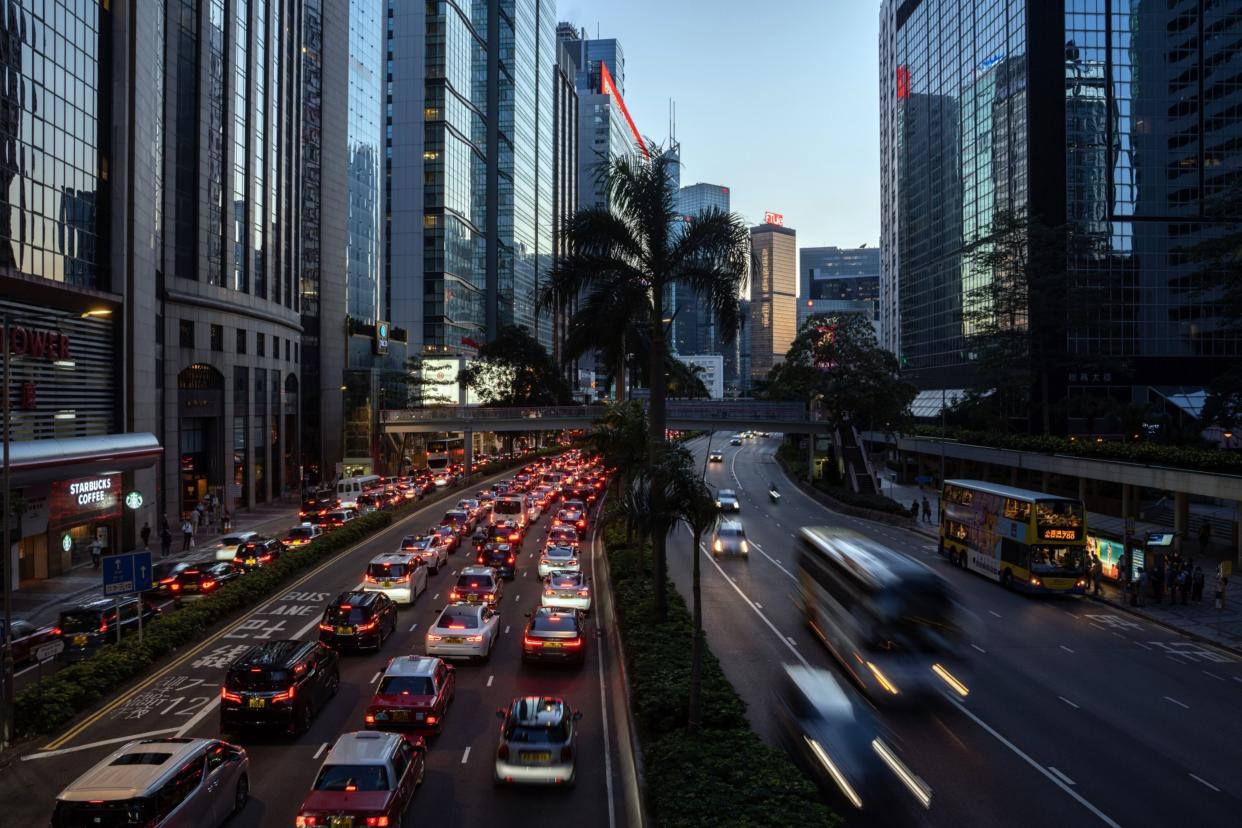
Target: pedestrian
x,y
914,509
926,510
145,534
1205,537
165,540
1196,585
1141,587
226,520
96,548
187,534
1123,568
193,521
200,516
1097,575
1183,585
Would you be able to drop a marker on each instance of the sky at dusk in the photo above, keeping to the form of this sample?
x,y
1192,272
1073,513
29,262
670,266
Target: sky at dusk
x,y
777,101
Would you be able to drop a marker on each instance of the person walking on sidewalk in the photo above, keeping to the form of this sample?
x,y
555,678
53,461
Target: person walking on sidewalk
x,y
226,520
187,534
1141,587
926,510
165,540
96,551
1097,576
193,521
145,534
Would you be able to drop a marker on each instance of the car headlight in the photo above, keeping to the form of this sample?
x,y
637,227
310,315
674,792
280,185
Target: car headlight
x,y
718,546
745,547
717,504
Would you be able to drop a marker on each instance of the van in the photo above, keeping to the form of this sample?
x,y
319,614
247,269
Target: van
x,y
348,489
92,624
159,782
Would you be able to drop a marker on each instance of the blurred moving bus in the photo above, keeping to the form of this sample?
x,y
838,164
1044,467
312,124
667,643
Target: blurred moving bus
x,y
891,622
1027,540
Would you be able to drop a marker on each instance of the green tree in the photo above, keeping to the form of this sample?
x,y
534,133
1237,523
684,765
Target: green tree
x,y
657,496
624,256
514,370
620,436
835,359
697,509
420,389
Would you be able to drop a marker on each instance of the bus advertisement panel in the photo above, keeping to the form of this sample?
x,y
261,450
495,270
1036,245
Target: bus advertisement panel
x,y
1024,539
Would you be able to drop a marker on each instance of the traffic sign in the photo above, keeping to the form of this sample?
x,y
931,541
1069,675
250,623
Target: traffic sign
x,y
130,572
49,651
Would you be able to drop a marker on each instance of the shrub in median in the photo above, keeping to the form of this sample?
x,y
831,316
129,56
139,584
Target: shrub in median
x,y
725,776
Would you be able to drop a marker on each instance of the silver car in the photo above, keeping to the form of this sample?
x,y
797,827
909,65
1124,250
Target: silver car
x,y
163,782
538,742
726,501
729,538
226,547
559,556
464,631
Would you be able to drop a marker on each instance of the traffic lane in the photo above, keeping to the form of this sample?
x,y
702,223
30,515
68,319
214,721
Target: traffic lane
x,y
1075,653
1026,667
933,741
177,698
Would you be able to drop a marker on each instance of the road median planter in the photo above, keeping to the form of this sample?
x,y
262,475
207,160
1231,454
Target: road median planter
x,y
50,703
725,776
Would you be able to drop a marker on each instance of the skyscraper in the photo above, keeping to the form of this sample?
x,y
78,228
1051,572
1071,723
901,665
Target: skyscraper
x,y
469,165
564,184
694,325
773,322
839,280
1118,118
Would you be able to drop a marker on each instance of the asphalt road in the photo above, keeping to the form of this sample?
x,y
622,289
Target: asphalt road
x,y
1077,715
182,699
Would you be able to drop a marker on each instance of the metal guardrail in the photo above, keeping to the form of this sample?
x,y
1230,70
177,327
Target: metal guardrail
x,y
676,409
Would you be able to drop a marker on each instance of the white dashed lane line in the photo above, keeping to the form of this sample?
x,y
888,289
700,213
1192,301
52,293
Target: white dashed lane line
x,y
1204,782
375,677
1067,649
1067,701
465,757
319,752
1179,704
980,649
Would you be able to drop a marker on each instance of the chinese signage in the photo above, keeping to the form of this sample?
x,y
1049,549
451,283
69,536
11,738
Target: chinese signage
x,y
38,343
774,218
89,495
381,338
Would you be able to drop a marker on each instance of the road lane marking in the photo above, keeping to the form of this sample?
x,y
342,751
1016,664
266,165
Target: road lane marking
x,y
465,757
49,753
1019,752
490,679
375,677
980,649
506,629
1067,701
1204,782
1179,704
1067,649
434,597
319,752
1140,643
994,612
758,605
791,640
517,598
783,639
412,626
1213,675
1061,776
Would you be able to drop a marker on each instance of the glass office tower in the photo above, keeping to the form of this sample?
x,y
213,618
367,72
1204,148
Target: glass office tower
x,y
1121,117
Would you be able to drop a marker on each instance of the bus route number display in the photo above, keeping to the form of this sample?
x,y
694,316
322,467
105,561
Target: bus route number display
x,y
1060,534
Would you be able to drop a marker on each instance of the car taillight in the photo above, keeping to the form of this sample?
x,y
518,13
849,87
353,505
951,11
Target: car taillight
x,y
433,637
453,596
432,719
502,752
367,626
514,536
582,593
549,592
572,561
209,584
227,696
302,820
175,587
103,626
474,639
480,560
531,642
490,596
265,558
582,524
369,718
573,642
286,695
325,626
57,631
510,559
544,562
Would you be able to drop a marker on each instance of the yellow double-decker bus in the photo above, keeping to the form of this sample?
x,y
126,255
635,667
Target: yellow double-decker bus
x,y
1027,540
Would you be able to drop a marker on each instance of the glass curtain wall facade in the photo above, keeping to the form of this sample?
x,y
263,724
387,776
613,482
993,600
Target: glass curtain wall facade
x,y
1134,141
364,137
696,326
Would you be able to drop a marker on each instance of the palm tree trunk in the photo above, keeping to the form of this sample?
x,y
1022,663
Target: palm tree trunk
x,y
659,565
696,648
658,377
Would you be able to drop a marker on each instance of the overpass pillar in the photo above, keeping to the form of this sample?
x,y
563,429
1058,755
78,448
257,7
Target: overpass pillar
x,y
1181,515
468,444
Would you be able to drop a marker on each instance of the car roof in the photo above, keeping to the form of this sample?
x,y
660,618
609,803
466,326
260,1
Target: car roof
x,y
412,665
726,493
391,558
369,747
237,536
108,780
562,547
462,610
478,570
273,654
535,711
97,604
731,525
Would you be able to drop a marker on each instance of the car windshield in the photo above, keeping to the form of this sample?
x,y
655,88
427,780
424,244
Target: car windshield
x,y
302,532
730,532
387,570
538,734
352,778
79,621
566,581
257,678
451,620
474,582
341,614
554,622
560,552
406,686
726,493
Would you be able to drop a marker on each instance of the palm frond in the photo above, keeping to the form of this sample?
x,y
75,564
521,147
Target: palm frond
x,y
712,258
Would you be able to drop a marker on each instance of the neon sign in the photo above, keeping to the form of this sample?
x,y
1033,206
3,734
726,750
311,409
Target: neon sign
x,y
903,83
607,87
774,218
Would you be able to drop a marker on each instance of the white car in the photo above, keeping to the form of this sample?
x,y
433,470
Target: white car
x,y
399,575
567,589
464,631
226,548
533,509
559,556
726,501
431,548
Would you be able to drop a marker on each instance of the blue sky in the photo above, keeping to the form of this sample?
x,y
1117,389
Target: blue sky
x,y
776,100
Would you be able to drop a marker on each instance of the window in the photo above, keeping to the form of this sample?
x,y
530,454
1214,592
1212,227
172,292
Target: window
x,y
187,333
241,341
286,350
275,347
217,337
179,788
260,344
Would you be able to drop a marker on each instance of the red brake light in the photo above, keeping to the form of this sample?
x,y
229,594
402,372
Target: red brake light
x,y
175,588
369,719
308,821
346,606
227,696
573,642
103,626
531,642
285,696
57,631
549,592
209,584
325,627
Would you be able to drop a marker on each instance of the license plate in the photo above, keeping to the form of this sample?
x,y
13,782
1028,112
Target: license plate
x,y
453,640
258,702
542,756
341,822
555,645
403,716
251,561
344,630
79,641
385,583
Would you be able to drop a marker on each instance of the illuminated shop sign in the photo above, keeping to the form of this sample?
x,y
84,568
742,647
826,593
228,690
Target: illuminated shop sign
x,y
72,498
774,218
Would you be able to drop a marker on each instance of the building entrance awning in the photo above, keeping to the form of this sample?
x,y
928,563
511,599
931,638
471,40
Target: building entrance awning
x,y
1189,401
929,403
46,461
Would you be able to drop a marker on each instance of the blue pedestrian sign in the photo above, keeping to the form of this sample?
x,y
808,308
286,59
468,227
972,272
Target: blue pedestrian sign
x,y
123,574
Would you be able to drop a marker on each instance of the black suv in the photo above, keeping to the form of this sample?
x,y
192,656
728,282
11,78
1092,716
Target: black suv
x,y
92,624
357,620
278,683
257,553
499,556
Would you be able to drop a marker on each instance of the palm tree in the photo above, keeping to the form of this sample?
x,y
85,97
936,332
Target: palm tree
x,y
624,257
663,484
620,436
698,511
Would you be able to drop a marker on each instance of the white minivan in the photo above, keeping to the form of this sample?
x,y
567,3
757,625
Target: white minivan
x,y
349,488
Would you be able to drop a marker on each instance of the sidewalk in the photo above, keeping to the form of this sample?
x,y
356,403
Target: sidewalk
x,y
41,601
1200,620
